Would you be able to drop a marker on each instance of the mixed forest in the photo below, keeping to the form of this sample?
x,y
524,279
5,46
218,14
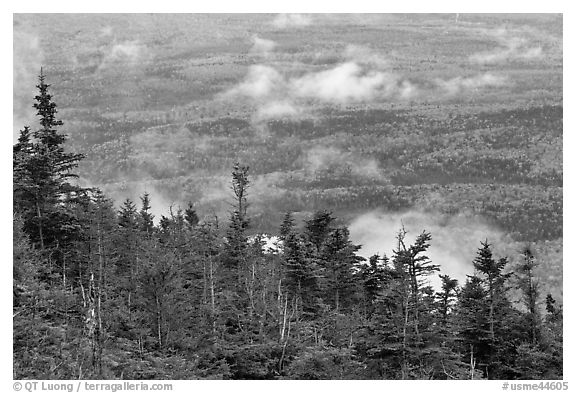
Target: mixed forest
x,y
108,292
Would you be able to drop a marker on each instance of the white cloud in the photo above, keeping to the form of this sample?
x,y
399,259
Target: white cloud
x,y
455,239
365,56
408,90
459,84
278,109
283,21
512,46
279,95
124,54
260,82
262,45
344,83
125,51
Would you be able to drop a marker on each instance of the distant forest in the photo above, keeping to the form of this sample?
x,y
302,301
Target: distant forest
x,y
106,293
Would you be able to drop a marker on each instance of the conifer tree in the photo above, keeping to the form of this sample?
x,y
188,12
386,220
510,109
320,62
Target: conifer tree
x,y
42,170
528,285
494,280
301,273
236,235
487,321
339,262
128,215
318,228
446,297
373,276
239,273
99,281
473,326
145,217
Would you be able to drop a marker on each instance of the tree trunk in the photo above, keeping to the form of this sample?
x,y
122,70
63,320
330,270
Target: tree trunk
x,y
159,321
491,310
101,278
212,296
40,231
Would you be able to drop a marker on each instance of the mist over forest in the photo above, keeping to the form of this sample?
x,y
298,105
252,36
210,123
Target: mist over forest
x,y
354,135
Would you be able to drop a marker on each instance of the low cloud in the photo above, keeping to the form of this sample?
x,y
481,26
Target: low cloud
x,y
278,110
348,82
160,205
365,56
284,21
512,47
127,50
460,85
455,239
362,76
122,54
261,82
262,45
217,193
217,190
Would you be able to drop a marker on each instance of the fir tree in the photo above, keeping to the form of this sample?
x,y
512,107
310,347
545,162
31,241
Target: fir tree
x,y
42,170
528,285
318,228
494,281
339,262
128,215
146,218
301,273
447,297
373,276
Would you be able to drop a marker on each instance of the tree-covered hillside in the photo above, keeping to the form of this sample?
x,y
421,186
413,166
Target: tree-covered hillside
x,y
454,115
105,292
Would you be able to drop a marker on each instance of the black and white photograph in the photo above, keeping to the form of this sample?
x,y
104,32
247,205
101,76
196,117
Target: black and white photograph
x,y
293,196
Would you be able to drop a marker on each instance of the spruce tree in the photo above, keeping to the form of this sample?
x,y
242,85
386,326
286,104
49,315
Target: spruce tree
x,y
42,170
488,324
301,273
494,280
146,218
528,285
128,215
339,262
447,297
318,228
473,326
372,277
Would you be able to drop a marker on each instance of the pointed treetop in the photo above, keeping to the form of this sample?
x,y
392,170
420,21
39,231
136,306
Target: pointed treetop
x,y
46,110
485,262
